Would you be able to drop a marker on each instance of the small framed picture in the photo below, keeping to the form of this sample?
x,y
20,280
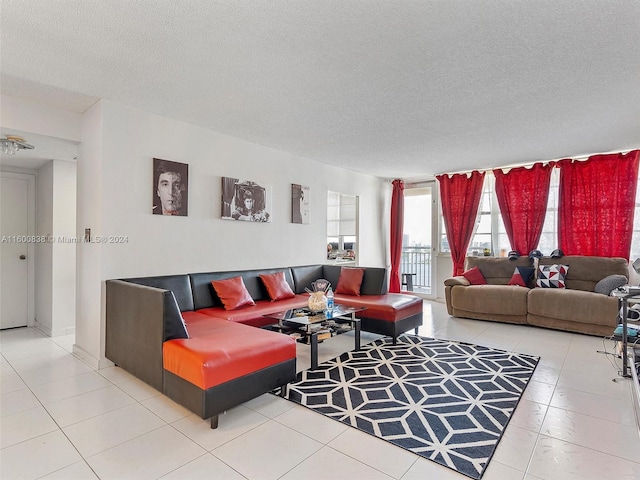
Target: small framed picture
x,y
245,200
299,203
170,188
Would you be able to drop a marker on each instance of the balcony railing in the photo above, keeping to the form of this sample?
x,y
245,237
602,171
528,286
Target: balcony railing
x,y
417,260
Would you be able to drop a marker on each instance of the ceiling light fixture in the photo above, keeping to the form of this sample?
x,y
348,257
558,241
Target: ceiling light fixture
x,y
12,143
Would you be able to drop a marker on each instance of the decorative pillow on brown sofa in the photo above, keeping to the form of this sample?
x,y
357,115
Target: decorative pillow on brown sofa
x,y
552,276
277,286
475,276
350,281
609,284
232,293
521,276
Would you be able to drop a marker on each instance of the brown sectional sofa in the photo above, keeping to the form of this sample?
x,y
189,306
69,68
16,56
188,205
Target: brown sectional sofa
x,y
576,308
173,333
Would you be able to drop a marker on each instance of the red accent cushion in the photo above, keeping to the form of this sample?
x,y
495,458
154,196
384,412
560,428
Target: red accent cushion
x,y
475,277
232,293
224,352
350,281
277,286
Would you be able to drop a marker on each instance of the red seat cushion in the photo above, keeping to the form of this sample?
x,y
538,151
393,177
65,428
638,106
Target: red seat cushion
x,y
219,351
390,307
254,315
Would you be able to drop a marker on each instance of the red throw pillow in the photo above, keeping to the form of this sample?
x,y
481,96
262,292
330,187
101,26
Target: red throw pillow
x,y
277,286
232,293
475,277
350,281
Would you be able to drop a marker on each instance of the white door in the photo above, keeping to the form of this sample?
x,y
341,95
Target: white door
x,y
16,248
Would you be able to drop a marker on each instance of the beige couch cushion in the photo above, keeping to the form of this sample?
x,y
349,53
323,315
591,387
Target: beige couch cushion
x,y
574,305
491,299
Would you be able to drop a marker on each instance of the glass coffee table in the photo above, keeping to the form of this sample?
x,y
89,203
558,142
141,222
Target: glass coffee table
x,y
312,328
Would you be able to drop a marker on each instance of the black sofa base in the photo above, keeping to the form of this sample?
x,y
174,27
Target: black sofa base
x,y
212,402
391,329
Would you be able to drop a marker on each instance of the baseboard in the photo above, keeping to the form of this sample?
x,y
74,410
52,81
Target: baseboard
x,y
49,332
42,328
86,357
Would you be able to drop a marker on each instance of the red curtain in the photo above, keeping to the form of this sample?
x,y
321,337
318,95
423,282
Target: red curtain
x,y
597,200
397,225
522,195
460,196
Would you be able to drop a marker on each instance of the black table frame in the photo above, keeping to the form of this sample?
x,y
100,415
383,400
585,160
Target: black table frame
x,y
623,305
287,321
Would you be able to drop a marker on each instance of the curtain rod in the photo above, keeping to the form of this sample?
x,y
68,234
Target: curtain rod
x,y
544,162
417,181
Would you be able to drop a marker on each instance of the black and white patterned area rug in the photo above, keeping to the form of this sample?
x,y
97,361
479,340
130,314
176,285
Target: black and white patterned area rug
x,y
448,402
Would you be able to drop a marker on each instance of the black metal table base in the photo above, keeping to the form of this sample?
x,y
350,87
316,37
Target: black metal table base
x,y
314,342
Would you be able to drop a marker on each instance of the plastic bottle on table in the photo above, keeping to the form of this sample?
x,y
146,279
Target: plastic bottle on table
x,y
330,303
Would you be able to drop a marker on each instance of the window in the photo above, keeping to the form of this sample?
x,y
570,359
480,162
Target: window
x,y
549,238
342,227
489,231
488,223
481,240
490,227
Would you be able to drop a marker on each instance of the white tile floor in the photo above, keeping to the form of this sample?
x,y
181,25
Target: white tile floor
x,y
60,419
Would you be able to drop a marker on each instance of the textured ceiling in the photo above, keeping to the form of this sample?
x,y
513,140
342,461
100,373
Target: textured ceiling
x,y
392,88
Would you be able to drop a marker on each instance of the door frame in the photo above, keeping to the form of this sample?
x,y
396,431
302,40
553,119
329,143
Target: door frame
x,y
31,229
431,184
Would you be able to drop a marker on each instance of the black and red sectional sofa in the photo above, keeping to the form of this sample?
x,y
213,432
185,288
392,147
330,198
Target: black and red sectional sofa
x,y
194,337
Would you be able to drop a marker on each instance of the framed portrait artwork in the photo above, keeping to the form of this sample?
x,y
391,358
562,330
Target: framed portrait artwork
x,y
245,200
170,188
299,203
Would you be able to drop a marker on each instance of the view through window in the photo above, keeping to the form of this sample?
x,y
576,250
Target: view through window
x,y
342,227
417,240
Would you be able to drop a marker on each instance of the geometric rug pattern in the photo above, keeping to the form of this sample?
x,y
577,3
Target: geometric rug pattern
x,y
446,401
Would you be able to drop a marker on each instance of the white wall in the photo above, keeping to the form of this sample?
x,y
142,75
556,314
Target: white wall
x,y
55,271
64,253
444,270
203,241
29,116
115,199
44,251
89,325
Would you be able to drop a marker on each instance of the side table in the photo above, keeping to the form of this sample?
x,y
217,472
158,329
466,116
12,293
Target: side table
x,y
407,280
623,304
